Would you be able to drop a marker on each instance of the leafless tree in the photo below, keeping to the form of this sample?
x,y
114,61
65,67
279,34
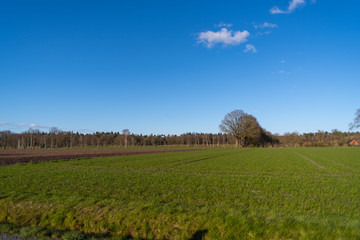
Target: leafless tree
x,y
71,139
126,134
242,126
132,141
356,123
53,131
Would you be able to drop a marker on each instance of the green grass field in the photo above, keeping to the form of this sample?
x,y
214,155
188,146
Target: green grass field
x,y
290,193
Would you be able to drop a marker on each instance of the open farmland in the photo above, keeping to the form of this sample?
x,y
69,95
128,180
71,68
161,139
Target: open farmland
x,y
13,156
292,193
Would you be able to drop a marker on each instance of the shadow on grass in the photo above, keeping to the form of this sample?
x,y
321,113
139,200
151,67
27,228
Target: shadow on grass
x,y
32,232
199,235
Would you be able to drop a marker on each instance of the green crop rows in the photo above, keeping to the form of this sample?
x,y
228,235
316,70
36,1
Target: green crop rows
x,y
292,193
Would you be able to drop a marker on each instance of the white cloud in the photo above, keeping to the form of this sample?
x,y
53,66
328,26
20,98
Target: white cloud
x,y
221,24
4,123
265,25
86,130
276,10
283,72
283,61
293,5
263,33
224,36
33,125
250,48
269,25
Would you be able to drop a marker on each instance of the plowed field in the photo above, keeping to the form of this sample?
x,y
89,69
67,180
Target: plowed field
x,y
14,156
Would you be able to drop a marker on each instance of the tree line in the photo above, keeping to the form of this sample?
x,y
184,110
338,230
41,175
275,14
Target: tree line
x,y
237,128
34,138
246,131
335,138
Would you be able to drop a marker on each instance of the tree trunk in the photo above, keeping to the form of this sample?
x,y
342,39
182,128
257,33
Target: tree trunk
x,y
70,140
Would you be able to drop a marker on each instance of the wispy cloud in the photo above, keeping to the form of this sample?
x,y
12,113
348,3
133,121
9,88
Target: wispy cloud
x,y
22,126
263,33
250,48
221,24
277,10
224,36
265,25
33,125
264,28
86,130
282,72
293,5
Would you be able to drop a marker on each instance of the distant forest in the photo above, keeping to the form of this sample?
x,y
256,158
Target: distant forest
x,y
55,138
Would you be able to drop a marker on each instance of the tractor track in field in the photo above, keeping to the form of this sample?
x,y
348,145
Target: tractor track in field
x,y
16,156
339,164
196,161
312,161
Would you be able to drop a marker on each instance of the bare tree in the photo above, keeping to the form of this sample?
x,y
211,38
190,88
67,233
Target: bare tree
x,y
97,138
31,131
71,139
132,141
126,134
44,141
81,140
356,123
53,131
243,127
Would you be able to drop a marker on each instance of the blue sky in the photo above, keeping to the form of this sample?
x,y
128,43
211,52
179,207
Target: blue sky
x,y
170,67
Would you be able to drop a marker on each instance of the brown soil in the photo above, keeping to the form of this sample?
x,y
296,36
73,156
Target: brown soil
x,y
14,156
